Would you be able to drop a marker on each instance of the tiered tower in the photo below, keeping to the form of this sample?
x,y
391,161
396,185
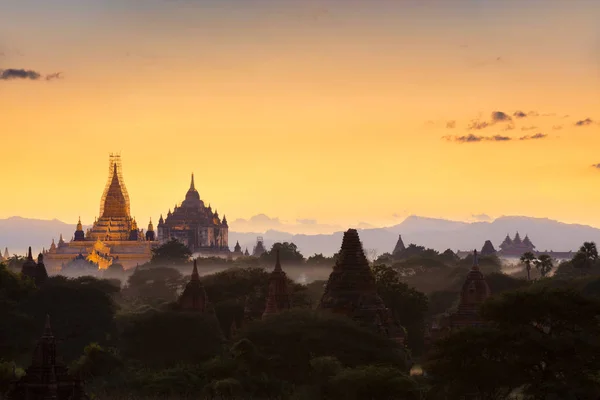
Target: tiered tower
x,y
351,290
259,249
399,246
194,296
195,225
35,271
474,292
46,378
278,297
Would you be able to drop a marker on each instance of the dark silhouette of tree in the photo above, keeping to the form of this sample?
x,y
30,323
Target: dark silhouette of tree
x,y
529,344
288,253
165,339
154,286
528,259
586,257
409,306
544,264
172,253
292,338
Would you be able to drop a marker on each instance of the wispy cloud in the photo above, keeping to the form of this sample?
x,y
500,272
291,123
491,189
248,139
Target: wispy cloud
x,y
451,124
499,116
470,138
481,217
529,128
13,73
534,137
26,74
477,125
557,127
596,166
584,122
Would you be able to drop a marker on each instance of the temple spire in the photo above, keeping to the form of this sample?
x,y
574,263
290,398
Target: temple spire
x,y
47,327
195,275
29,256
475,260
192,186
277,261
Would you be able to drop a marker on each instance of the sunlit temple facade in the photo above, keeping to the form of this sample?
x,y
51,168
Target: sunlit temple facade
x,y
195,225
114,236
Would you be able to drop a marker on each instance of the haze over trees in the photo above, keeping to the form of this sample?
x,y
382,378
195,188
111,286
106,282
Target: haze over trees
x,y
138,342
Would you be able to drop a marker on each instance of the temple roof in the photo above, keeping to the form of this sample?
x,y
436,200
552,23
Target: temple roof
x,y
399,246
475,289
115,203
194,296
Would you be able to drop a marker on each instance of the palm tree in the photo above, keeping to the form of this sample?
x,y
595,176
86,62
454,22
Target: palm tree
x,y
587,255
527,259
544,264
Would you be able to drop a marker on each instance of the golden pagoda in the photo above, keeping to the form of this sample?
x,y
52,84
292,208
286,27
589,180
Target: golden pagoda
x,y
113,237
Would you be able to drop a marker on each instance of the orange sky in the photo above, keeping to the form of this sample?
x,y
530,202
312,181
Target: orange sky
x,y
322,110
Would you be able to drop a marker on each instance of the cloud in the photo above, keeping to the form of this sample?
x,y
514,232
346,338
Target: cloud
x,y
534,137
596,166
451,124
557,127
529,128
12,73
499,116
584,122
477,125
26,74
470,138
56,75
307,221
481,217
519,114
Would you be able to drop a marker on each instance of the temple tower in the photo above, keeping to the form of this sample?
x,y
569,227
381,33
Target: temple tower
x,y
46,378
259,249
351,290
194,296
474,292
150,236
35,271
399,246
278,297
115,199
79,233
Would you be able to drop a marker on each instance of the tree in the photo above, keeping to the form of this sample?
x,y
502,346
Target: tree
x,y
164,339
527,344
172,253
82,311
544,264
528,258
320,260
292,338
288,253
154,286
409,306
586,257
95,362
373,382
230,291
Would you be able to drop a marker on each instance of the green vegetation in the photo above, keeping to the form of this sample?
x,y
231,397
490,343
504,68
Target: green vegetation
x,y
541,341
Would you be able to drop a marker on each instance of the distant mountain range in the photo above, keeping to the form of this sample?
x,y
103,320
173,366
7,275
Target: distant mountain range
x,y
18,233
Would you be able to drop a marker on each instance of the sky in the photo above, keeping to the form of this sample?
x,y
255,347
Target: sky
x,y
329,112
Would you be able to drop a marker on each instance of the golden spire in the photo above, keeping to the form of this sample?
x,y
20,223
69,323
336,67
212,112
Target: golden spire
x,y
115,200
79,226
134,226
150,226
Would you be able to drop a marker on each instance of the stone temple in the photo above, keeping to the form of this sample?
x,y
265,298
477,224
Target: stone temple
x,y
351,291
114,236
195,225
